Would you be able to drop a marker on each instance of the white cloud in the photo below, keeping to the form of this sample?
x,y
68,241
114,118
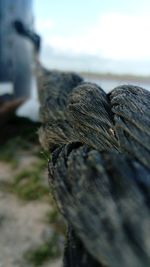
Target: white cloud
x,y
125,36
113,35
44,25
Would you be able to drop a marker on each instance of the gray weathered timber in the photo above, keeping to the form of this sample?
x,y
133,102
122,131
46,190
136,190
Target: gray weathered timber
x,y
91,116
103,197
99,171
131,108
75,254
54,87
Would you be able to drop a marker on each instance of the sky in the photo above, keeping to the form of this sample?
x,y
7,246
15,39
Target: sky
x,y
78,34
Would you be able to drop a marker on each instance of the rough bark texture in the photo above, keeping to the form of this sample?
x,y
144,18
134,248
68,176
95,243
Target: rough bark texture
x,y
54,88
131,108
75,254
90,113
105,196
99,169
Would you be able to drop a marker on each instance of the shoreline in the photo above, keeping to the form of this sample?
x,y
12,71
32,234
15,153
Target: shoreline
x,y
114,77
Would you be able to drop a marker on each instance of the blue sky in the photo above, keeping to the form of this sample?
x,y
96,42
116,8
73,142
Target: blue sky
x,y
109,29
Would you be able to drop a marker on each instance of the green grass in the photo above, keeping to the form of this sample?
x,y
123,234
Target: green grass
x,y
52,216
28,184
49,250
55,219
45,155
9,151
6,187
52,248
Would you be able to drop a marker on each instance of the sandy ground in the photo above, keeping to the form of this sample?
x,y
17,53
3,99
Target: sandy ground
x,y
22,225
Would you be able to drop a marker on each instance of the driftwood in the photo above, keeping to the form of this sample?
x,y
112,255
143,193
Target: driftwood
x,y
54,88
99,171
106,199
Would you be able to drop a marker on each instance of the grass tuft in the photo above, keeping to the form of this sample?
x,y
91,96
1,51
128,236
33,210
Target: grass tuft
x,y
56,220
49,250
9,150
28,185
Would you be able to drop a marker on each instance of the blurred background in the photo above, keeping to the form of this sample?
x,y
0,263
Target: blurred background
x,y
99,37
108,36
106,42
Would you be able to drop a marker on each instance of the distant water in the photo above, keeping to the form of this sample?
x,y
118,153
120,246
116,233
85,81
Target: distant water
x,y
108,85
30,108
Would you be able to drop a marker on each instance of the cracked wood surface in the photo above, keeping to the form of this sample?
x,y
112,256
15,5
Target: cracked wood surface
x,y
99,171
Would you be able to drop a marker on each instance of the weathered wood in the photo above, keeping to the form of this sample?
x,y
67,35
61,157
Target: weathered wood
x,y
90,113
54,88
131,108
103,196
99,172
75,254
